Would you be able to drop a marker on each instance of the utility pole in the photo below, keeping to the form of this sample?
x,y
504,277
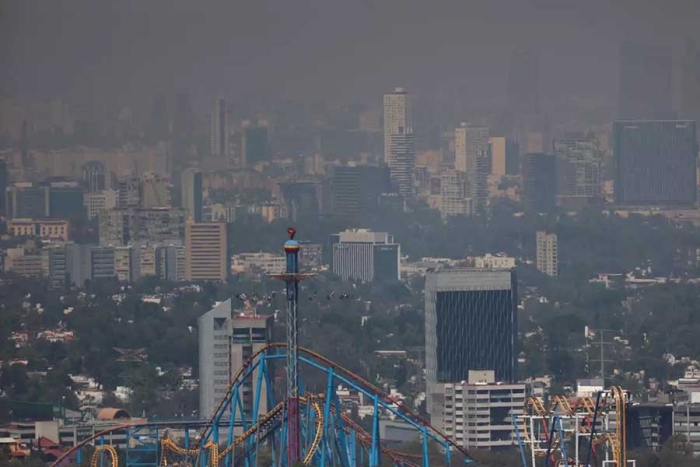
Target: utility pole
x,y
602,345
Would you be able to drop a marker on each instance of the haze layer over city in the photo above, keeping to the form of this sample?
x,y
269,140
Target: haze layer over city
x,y
383,233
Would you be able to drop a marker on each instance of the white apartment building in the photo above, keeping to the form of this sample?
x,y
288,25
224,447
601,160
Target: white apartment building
x,y
397,117
547,248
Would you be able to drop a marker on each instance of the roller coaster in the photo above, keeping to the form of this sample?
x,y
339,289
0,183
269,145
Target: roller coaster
x,y
329,436
560,432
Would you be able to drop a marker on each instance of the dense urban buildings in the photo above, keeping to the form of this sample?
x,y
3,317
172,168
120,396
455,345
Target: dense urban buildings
x,y
365,256
547,253
470,324
656,162
398,118
646,82
207,251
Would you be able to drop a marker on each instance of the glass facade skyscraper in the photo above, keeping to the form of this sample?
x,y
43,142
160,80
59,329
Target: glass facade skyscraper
x,y
470,325
656,162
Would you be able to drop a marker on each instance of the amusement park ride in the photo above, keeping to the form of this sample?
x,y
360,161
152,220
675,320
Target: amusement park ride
x,y
313,428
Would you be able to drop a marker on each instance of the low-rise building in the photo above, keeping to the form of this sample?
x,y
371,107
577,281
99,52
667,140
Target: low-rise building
x,y
498,261
56,230
264,263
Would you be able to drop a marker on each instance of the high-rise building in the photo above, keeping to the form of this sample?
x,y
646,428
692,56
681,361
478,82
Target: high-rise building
x,y
363,255
102,263
656,162
154,191
208,258
99,201
4,180
690,82
171,261
402,162
126,263
56,262
95,176
121,226
504,156
128,191
540,182
455,199
255,144
578,167
65,200
192,192
214,333
219,133
398,118
227,339
478,413
646,78
470,324
78,264
24,200
356,190
547,251
473,156
304,200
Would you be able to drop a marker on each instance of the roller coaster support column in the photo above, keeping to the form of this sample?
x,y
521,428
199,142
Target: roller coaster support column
x,y
520,440
595,419
426,460
291,277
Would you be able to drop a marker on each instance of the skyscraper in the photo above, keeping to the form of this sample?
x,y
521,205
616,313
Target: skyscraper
x,y
473,156
402,162
363,255
540,182
504,156
656,162
3,187
547,253
219,133
208,258
470,324
154,191
95,176
397,118
214,333
255,145
356,190
645,86
24,200
690,82
192,194
455,198
578,167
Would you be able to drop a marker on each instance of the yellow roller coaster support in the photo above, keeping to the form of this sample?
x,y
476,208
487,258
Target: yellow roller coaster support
x,y
98,451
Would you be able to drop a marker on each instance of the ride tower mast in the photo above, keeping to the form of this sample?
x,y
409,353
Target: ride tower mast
x,y
292,277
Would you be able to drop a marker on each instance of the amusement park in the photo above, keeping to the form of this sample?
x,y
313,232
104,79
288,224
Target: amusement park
x,y
255,424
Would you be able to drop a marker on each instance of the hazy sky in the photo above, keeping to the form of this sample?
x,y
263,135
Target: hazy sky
x,y
322,49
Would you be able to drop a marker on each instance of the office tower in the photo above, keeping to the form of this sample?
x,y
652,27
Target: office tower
x,y
473,156
470,324
690,82
455,198
3,187
250,333
255,144
645,86
24,200
356,190
504,156
547,248
146,259
363,255
523,85
171,263
214,333
540,182
65,200
102,263
128,189
55,255
207,251
99,201
489,407
304,200
656,162
154,191
219,133
78,264
183,128
402,162
578,167
95,176
398,118
192,192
